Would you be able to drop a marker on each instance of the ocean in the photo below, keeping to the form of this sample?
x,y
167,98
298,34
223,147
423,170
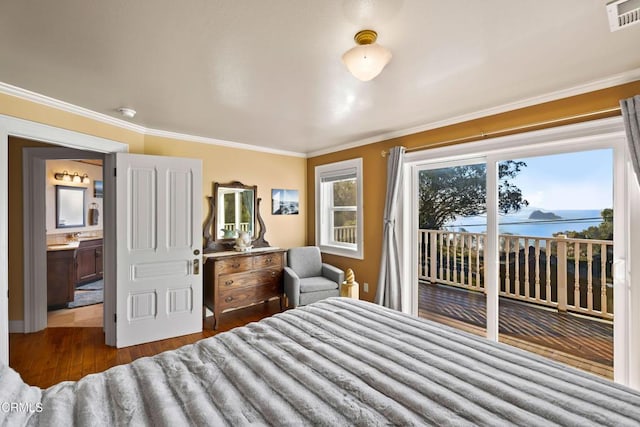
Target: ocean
x,y
520,224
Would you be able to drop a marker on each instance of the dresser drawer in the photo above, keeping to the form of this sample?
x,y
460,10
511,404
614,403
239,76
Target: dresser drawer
x,y
234,265
267,260
270,276
248,295
237,280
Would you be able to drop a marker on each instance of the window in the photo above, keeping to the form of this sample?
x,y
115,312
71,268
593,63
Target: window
x,y
339,208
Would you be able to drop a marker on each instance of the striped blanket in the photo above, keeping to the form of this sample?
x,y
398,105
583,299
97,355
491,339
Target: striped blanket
x,y
337,362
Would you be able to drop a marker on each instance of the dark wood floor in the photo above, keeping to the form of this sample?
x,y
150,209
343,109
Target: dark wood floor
x,y
578,337
58,354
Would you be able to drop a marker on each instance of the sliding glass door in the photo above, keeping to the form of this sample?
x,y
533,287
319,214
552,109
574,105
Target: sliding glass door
x,y
515,242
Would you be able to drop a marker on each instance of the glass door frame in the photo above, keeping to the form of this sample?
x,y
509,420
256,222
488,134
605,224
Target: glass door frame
x,y
592,135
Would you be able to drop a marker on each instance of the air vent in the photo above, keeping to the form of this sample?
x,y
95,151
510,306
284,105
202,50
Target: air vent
x,y
623,13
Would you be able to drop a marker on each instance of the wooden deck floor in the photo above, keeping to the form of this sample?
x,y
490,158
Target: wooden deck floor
x,y
576,340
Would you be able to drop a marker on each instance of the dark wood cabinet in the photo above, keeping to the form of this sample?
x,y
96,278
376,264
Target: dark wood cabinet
x,y
238,280
89,261
60,277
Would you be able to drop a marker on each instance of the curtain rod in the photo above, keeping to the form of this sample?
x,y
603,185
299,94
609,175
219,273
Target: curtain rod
x,y
484,135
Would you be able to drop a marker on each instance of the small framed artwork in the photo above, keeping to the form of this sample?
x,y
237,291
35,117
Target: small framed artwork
x,y
97,189
284,202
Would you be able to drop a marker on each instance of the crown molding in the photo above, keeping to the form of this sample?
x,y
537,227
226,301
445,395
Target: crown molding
x,y
221,142
47,101
615,80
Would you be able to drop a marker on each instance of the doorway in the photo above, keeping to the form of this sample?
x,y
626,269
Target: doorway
x,y
52,238
74,237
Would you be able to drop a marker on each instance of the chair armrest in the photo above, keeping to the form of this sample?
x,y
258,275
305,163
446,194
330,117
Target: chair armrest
x,y
292,286
333,273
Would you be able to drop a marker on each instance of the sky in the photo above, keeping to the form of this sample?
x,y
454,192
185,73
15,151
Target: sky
x,y
580,180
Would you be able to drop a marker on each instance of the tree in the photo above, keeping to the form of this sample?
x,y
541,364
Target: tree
x,y
460,191
603,231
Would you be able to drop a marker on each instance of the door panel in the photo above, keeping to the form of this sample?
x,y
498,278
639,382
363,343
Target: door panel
x,y
159,292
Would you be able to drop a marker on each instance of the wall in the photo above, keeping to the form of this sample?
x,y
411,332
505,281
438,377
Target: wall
x,y
221,164
58,166
267,171
374,165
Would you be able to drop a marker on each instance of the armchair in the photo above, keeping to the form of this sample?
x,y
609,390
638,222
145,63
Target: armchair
x,y
307,279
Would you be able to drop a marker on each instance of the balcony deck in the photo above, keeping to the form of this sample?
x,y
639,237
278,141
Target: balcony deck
x,y
576,340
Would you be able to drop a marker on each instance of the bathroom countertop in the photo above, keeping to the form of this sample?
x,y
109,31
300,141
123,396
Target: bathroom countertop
x,y
70,245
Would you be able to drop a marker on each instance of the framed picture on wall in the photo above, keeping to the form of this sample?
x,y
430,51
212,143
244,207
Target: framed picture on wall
x,y
97,189
284,202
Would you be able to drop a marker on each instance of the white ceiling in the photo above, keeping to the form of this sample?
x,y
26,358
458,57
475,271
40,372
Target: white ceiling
x,y
269,73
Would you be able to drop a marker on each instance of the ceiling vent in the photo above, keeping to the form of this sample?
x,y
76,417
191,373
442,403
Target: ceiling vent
x,y
623,13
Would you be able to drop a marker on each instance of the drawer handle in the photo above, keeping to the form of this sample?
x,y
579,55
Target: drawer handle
x,y
235,265
228,299
273,274
268,260
228,282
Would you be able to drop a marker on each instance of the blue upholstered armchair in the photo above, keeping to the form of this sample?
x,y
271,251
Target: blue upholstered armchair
x,y
307,279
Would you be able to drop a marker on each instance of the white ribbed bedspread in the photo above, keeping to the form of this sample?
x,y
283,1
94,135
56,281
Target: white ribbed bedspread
x,y
336,362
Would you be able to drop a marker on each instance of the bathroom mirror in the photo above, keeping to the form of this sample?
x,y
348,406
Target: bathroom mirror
x,y
233,207
70,206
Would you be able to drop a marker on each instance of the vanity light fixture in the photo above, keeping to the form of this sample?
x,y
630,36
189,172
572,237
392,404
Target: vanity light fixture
x,y
366,60
75,178
64,176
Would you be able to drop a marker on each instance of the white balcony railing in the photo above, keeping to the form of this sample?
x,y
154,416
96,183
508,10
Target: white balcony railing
x,y
567,274
344,234
243,226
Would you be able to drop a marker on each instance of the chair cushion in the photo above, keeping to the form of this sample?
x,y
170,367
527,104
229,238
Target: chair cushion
x,y
311,297
315,284
305,261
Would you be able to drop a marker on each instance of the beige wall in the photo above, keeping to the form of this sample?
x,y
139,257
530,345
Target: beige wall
x,y
375,167
221,164
267,171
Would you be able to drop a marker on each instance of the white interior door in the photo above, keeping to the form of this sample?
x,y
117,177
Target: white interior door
x,y
159,245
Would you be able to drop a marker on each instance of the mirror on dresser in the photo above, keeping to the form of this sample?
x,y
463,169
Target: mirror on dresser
x,y
233,208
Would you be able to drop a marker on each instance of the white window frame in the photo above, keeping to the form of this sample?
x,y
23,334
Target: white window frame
x,y
324,211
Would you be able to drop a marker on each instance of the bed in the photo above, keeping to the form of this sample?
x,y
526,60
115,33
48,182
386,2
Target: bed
x,y
335,362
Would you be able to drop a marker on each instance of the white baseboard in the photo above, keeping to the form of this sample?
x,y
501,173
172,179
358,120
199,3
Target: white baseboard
x,y
16,326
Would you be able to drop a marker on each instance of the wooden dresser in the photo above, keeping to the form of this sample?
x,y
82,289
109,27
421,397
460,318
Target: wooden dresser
x,y
234,279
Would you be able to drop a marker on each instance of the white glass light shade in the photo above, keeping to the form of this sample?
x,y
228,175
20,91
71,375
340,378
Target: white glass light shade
x,y
66,177
86,179
77,178
366,61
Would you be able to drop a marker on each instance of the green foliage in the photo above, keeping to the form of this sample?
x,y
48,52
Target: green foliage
x,y
460,191
345,194
604,231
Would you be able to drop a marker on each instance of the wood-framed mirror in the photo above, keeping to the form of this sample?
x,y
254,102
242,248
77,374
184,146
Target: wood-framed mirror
x,y
233,207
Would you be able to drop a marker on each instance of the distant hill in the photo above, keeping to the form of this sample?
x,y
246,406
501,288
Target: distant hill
x,y
543,215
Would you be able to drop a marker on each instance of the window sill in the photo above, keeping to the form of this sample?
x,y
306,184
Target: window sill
x,y
348,253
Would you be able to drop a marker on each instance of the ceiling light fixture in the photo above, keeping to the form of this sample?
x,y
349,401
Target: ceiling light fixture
x,y
129,113
366,60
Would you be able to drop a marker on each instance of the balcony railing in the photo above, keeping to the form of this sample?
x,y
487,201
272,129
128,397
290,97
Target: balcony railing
x,y
564,273
345,234
244,226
